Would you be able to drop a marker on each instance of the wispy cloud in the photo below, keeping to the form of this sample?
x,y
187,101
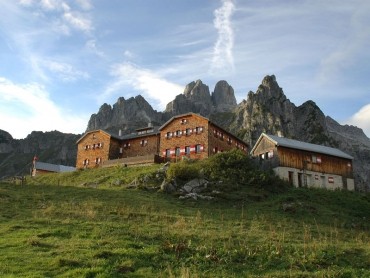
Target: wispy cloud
x,y
223,59
143,81
64,71
64,16
361,119
28,107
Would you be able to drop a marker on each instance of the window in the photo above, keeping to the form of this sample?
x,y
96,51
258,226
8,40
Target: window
x,y
316,159
199,129
143,142
188,131
215,150
187,150
120,150
168,152
93,136
177,151
86,147
86,162
178,133
97,160
183,121
198,148
169,135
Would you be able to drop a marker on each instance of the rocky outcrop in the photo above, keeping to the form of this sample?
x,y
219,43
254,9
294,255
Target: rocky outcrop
x,y
127,115
197,99
6,141
223,97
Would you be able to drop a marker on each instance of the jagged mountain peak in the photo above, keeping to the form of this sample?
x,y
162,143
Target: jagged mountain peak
x,y
270,89
223,97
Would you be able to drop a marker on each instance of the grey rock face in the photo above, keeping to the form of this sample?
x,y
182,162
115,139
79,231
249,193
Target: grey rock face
x,y
223,97
196,98
127,114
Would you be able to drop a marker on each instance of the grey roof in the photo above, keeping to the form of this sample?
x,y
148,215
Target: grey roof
x,y
53,167
136,135
299,145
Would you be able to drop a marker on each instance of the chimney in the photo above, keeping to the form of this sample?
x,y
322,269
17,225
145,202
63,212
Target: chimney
x,y
280,134
150,125
120,132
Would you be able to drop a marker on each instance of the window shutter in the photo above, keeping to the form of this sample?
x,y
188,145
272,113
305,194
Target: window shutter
x,y
182,151
164,153
201,148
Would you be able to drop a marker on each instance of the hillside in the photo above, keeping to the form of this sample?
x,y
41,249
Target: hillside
x,y
98,229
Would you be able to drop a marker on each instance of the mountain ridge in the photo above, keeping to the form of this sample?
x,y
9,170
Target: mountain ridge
x,y
266,110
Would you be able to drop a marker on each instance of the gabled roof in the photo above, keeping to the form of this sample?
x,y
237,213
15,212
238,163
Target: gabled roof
x,y
53,167
99,130
182,116
299,145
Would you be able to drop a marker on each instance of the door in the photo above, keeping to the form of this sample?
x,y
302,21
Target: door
x,y
300,179
291,177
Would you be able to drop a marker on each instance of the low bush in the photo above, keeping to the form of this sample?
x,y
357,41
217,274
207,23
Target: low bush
x,y
184,170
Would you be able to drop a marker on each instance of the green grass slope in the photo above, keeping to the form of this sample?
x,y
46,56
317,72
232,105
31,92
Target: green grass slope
x,y
61,226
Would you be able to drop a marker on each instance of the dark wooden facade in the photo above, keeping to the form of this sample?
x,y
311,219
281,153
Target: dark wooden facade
x,y
310,164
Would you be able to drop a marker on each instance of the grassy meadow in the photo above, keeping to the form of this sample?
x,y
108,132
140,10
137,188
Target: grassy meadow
x,y
83,224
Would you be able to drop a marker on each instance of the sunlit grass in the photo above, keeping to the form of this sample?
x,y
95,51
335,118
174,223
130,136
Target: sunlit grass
x,y
49,228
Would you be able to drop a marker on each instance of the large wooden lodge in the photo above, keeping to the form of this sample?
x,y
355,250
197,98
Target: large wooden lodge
x,y
188,135
196,137
305,164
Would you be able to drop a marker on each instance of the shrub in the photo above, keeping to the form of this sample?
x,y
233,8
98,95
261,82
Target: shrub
x,y
232,166
184,170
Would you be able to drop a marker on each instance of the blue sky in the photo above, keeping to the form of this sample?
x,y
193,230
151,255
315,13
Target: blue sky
x,y
60,60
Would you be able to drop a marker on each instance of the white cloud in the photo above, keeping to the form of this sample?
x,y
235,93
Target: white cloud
x,y
145,82
362,119
223,49
27,107
78,21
